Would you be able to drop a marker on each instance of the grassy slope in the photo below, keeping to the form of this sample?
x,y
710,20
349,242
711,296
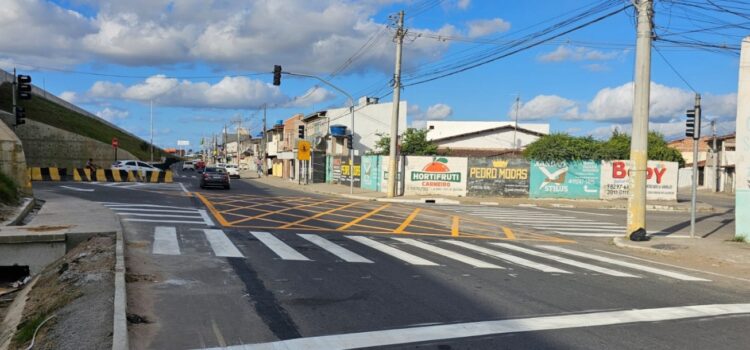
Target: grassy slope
x,y
44,111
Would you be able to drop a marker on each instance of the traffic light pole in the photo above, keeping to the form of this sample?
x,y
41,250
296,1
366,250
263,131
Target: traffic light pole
x,y
696,140
351,110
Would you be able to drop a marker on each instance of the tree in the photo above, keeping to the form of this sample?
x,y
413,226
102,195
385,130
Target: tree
x,y
413,143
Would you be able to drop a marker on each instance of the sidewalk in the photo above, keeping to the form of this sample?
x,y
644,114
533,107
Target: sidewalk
x,y
361,194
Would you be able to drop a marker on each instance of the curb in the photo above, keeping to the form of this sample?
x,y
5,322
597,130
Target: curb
x,y
25,208
622,243
120,322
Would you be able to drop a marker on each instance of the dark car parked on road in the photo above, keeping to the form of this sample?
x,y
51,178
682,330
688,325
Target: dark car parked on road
x,y
213,176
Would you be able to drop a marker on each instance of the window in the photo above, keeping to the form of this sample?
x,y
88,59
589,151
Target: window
x,y
131,163
144,165
432,127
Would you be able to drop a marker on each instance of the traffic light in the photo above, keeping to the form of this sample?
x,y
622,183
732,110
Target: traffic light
x,y
24,87
301,132
349,143
276,75
20,115
693,125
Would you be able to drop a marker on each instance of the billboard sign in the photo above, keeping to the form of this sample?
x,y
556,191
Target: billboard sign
x,y
574,179
661,180
435,175
498,177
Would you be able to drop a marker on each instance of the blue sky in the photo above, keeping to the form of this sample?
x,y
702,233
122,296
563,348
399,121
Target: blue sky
x,y
205,63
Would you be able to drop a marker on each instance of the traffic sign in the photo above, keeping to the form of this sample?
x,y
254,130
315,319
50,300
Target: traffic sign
x,y
303,150
115,142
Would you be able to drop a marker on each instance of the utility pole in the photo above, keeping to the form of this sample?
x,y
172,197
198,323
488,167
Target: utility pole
x,y
239,139
696,140
636,230
715,183
264,144
515,129
393,150
15,111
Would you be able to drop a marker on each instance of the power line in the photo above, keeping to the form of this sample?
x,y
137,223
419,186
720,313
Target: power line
x,y
674,69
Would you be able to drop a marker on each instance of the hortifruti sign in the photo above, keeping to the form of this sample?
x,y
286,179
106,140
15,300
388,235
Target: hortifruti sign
x,y
435,175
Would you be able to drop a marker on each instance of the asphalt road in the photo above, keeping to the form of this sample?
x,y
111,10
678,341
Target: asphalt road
x,y
273,265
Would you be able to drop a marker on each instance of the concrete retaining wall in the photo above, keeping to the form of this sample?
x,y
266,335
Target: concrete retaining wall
x,y
48,146
13,160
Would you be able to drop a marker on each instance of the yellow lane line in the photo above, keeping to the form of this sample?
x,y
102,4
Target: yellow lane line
x,y
454,226
213,210
278,211
408,221
357,220
320,214
508,233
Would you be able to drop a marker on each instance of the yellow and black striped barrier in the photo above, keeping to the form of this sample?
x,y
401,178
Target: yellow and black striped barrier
x,y
99,175
48,174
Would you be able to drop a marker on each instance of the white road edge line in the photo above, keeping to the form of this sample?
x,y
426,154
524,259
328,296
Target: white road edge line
x,y
159,215
653,270
485,328
449,254
333,248
166,221
221,244
79,189
281,249
386,249
183,188
573,211
165,241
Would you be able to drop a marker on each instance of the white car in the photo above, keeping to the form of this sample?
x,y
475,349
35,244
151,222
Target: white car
x,y
232,170
134,165
188,165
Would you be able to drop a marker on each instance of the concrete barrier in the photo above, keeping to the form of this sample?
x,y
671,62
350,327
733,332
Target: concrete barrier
x,y
99,175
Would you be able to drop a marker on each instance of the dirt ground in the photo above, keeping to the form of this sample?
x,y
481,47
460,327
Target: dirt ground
x,y
74,297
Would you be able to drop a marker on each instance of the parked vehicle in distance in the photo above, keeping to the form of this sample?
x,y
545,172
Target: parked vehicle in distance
x,y
133,165
233,171
199,165
188,165
214,176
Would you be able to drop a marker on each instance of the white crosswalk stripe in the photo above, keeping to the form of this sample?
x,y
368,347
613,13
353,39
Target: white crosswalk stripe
x,y
341,252
653,270
221,245
564,224
562,260
281,249
449,254
165,241
507,257
165,214
396,253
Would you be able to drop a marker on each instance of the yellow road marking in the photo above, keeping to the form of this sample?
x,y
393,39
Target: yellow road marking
x,y
320,214
508,233
408,221
454,226
357,220
277,212
213,210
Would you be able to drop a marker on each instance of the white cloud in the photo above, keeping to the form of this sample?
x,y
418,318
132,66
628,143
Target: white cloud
x,y
301,35
574,53
229,93
482,27
419,118
463,4
69,96
112,114
544,107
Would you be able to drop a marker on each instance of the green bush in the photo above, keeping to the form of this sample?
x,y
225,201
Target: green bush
x,y
8,190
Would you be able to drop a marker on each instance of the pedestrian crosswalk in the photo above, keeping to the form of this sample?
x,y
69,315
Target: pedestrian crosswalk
x,y
563,224
426,253
163,214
